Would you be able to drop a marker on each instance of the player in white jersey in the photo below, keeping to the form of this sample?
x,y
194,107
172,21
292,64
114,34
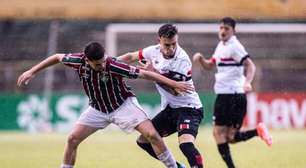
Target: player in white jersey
x,y
235,72
180,113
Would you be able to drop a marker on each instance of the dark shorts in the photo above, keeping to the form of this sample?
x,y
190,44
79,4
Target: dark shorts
x,y
230,110
183,120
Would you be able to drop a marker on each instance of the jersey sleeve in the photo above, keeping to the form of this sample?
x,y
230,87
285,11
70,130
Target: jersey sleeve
x,y
73,60
144,54
239,53
122,69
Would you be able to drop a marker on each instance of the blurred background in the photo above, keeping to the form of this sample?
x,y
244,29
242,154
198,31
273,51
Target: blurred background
x,y
273,32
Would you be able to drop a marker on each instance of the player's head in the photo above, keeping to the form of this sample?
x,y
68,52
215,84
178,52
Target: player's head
x,y
94,55
227,28
167,37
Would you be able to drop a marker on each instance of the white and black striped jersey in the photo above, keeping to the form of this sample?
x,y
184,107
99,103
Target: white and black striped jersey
x,y
229,57
177,68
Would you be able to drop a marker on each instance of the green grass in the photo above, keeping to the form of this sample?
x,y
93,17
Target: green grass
x,y
116,149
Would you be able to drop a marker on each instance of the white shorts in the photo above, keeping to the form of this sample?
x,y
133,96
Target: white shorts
x,y
126,117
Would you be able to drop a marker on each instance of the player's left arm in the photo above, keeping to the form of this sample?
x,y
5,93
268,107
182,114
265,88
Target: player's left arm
x,y
129,57
250,69
180,86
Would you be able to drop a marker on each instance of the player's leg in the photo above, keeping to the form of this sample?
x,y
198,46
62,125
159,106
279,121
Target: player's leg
x,y
78,134
238,114
222,120
148,131
89,122
164,125
131,116
188,123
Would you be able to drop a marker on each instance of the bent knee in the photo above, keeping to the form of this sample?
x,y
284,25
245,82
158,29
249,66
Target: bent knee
x,y
152,136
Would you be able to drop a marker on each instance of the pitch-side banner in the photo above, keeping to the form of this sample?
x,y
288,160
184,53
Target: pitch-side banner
x,y
277,110
34,113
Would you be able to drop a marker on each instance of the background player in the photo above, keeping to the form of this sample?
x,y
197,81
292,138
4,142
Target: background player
x,y
235,72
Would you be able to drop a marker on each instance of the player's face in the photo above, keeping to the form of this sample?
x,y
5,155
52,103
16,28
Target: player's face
x,y
226,32
168,46
97,65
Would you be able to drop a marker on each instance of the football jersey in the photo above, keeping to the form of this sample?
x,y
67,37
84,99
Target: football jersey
x,y
229,57
177,68
105,89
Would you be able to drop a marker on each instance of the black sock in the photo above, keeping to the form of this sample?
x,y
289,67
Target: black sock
x,y
192,154
149,149
226,154
243,136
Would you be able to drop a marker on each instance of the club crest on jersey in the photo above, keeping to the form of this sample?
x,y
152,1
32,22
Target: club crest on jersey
x,y
104,77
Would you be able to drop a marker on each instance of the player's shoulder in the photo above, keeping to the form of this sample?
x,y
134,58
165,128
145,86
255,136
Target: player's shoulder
x,y
73,57
235,42
181,53
152,48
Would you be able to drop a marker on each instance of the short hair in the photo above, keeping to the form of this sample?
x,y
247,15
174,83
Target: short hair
x,y
167,30
229,21
94,51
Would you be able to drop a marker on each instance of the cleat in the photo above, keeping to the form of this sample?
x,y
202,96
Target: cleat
x,y
179,165
264,134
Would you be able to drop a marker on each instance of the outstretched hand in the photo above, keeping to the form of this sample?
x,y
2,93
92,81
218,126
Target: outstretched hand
x,y
25,77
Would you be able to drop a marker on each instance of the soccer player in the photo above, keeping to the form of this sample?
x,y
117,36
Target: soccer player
x,y
110,100
180,113
235,72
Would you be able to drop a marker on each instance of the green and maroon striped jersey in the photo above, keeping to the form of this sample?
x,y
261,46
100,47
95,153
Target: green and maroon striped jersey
x,y
105,89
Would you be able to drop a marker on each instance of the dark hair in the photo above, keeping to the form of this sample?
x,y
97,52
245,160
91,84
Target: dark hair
x,y
167,31
94,51
229,21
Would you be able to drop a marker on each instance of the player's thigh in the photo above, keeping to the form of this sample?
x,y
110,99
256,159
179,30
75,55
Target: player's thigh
x,y
222,108
94,118
189,121
81,132
165,122
238,111
129,115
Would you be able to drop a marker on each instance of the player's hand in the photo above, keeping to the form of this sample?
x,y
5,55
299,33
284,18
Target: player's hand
x,y
183,87
247,87
146,65
197,56
25,77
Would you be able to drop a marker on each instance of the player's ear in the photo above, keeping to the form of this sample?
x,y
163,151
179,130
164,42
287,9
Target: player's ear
x,y
158,40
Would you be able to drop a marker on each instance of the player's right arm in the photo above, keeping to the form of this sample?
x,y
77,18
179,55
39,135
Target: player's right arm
x,y
25,77
205,63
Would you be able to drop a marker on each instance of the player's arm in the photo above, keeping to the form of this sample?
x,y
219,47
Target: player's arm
x,y
250,69
129,57
179,86
205,63
25,77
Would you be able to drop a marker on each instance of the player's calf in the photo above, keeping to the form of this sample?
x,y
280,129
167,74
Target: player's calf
x,y
192,154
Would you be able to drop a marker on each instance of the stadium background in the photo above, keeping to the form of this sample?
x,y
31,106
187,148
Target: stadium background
x,y
32,30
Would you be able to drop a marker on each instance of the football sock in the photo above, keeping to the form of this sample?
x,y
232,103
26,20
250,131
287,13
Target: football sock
x,y
148,148
226,154
243,136
66,166
168,159
192,154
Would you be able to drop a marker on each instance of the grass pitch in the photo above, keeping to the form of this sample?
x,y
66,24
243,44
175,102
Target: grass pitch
x,y
114,149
